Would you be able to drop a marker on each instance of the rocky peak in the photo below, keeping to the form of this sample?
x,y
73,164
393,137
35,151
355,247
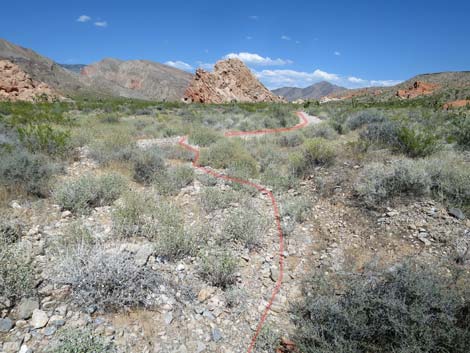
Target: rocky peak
x,y
17,85
230,81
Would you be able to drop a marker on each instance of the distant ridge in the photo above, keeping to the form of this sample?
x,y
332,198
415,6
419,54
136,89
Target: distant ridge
x,y
315,91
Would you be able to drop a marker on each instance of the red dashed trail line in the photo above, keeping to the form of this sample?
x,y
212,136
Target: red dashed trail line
x,y
304,121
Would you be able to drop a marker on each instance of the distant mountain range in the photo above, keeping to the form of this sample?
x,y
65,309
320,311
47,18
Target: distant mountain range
x,y
315,91
138,79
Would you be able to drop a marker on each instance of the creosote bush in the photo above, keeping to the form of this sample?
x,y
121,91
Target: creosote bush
x,y
219,268
173,179
79,341
407,308
107,279
148,164
314,152
212,198
203,136
82,194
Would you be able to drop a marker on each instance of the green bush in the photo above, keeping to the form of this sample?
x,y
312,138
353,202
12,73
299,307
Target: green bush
x,y
219,268
44,138
32,172
147,165
79,341
116,146
460,131
323,130
407,308
315,152
212,199
82,194
203,136
11,229
16,272
292,139
364,117
417,143
132,216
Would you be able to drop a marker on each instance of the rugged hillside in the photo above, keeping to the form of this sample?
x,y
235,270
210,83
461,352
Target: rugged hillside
x,y
443,79
16,85
315,91
43,69
231,81
75,68
139,79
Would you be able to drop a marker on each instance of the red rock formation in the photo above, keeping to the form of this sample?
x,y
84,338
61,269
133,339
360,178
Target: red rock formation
x,y
16,85
457,104
231,81
287,346
418,88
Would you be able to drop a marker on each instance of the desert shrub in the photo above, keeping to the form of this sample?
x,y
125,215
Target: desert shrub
x,y
245,225
206,179
212,199
75,234
44,138
365,117
407,308
116,146
315,152
229,154
203,136
11,229
79,341
450,177
133,214
172,180
16,272
380,134
416,142
323,130
172,239
460,131
279,177
32,172
107,279
378,182
219,268
148,164
268,339
82,194
109,119
292,139
177,152
296,208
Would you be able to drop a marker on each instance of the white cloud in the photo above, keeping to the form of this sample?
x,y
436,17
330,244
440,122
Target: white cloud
x,y
180,65
83,18
280,78
284,37
101,24
337,53
256,59
254,18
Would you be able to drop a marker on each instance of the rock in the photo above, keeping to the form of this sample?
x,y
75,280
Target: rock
x,y
180,267
11,347
204,294
456,213
142,255
39,319
66,214
57,321
216,334
230,81
418,88
6,325
5,303
49,331
26,307
25,349
423,238
168,318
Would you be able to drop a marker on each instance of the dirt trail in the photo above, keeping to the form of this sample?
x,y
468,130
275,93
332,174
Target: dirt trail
x,y
305,120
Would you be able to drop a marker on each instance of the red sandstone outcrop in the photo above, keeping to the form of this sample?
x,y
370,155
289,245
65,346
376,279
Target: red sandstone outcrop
x,y
231,81
419,88
16,85
457,104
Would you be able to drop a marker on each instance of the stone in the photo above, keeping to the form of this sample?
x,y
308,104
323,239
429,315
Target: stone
x,y
216,334
49,330
57,321
25,349
205,293
168,318
12,347
66,214
26,307
456,213
180,267
39,319
6,325
142,255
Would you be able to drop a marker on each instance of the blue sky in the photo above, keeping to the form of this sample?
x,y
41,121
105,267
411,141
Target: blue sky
x,y
289,42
